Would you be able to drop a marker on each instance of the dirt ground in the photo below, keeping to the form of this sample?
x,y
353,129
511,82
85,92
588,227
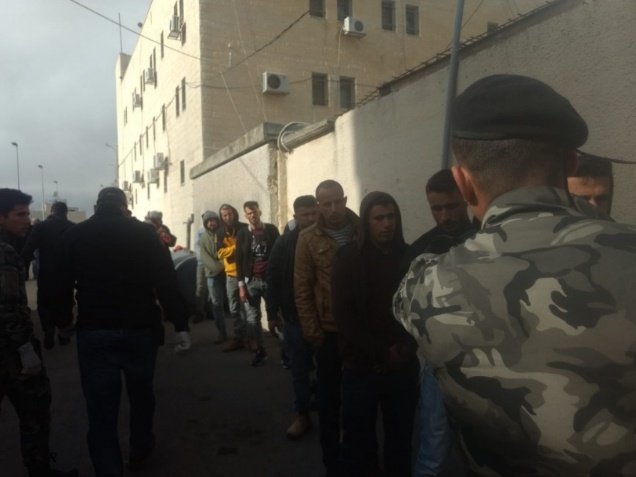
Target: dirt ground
x,y
216,415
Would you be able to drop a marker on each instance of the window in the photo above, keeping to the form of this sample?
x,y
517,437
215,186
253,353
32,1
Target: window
x,y
176,99
162,44
146,137
317,8
141,83
388,15
154,65
344,9
141,145
163,117
125,115
154,130
165,180
347,92
319,90
148,191
136,198
412,20
181,12
182,171
183,95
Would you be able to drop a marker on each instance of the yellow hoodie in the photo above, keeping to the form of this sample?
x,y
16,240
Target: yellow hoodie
x,y
226,253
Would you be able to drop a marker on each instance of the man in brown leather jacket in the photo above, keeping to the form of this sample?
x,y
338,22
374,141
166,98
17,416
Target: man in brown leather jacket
x,y
315,250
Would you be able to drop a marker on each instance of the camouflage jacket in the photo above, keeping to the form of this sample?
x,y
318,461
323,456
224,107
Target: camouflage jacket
x,y
531,330
16,327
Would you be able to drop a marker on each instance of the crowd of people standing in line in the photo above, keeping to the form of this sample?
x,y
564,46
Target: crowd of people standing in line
x,y
524,315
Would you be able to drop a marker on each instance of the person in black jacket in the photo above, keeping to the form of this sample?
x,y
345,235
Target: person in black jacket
x,y
44,237
380,367
120,269
280,298
253,247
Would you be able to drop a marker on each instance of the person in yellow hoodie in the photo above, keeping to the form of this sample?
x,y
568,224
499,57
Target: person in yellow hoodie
x,y
226,252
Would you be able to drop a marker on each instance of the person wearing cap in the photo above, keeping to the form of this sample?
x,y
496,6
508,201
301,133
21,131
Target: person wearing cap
x,y
529,326
120,269
155,218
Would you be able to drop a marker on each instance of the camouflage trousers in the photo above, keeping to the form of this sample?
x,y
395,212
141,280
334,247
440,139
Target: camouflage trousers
x,y
31,398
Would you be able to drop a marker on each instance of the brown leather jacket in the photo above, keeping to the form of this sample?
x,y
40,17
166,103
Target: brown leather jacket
x,y
312,280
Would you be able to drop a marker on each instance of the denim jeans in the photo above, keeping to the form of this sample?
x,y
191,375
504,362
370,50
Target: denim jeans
x,y
103,355
216,290
301,360
329,374
363,392
256,289
236,308
435,435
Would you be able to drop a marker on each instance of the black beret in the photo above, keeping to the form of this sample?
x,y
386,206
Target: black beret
x,y
112,195
513,106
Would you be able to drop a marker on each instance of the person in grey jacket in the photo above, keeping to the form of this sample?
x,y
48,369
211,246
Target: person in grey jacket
x,y
214,271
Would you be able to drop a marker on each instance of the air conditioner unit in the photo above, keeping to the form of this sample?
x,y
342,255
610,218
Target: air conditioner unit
x,y
149,76
175,27
275,83
138,177
136,100
125,186
354,27
153,176
159,161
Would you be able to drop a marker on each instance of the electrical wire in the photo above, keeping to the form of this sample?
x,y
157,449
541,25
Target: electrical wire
x,y
466,22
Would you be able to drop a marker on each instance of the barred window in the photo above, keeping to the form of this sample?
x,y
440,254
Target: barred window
x,y
388,15
347,92
412,20
319,91
344,9
317,8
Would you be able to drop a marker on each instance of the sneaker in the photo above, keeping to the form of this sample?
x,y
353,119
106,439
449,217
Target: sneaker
x,y
233,345
222,338
301,425
259,358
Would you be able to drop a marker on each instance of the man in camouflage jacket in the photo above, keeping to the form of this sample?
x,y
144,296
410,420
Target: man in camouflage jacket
x,y
530,326
23,378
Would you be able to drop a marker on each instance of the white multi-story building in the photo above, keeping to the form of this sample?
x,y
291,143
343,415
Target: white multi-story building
x,y
204,72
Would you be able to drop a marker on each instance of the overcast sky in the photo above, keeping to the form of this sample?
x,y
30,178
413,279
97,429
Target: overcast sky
x,y
57,95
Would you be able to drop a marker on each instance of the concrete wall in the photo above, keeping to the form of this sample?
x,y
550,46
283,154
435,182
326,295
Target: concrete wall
x,y
585,50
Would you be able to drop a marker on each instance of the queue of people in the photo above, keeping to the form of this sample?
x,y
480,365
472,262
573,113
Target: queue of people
x,y
506,339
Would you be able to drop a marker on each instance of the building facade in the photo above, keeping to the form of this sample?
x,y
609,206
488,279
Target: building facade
x,y
205,72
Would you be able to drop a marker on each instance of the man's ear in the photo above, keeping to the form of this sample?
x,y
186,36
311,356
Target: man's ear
x,y
464,182
571,162
345,200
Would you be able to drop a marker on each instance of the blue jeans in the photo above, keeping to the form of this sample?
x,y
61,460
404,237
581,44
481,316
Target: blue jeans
x,y
236,307
395,394
301,360
103,355
435,435
256,288
216,290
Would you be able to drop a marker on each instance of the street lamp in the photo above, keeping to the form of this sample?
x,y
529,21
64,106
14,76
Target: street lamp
x,y
17,160
57,193
43,202
116,162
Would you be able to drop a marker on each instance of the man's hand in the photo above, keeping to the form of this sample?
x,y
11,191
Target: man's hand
x,y
31,363
67,332
184,342
243,293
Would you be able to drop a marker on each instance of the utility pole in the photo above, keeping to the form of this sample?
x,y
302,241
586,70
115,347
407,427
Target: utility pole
x,y
43,200
452,83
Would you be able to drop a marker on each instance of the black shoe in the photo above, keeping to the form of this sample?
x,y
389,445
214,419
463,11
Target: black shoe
x,y
138,459
49,338
63,341
260,357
